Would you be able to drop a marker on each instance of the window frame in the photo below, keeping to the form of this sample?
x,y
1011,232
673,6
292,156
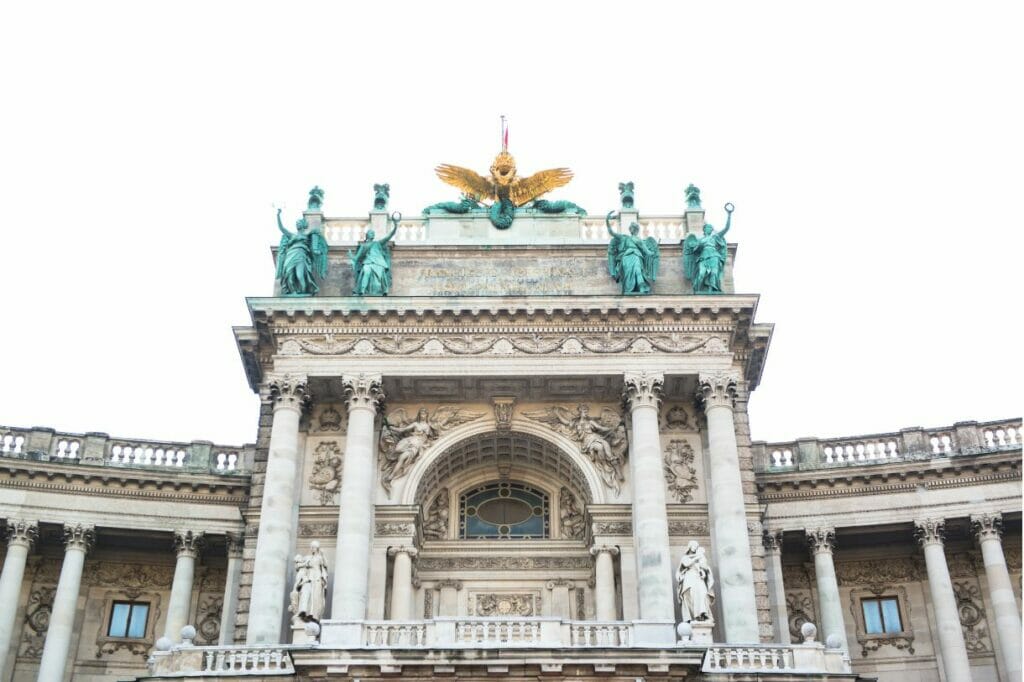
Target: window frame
x,y
878,601
131,603
903,640
527,487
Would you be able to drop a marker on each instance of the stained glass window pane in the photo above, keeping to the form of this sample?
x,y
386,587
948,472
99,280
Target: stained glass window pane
x,y
502,511
137,622
872,617
119,619
891,615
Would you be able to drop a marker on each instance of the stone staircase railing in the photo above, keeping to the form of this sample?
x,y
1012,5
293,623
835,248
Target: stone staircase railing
x,y
963,438
100,449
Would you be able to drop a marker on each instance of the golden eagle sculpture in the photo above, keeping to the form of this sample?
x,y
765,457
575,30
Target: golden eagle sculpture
x,y
504,188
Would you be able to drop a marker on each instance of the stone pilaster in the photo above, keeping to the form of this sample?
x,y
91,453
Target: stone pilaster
x,y
236,545
187,545
772,540
604,581
988,529
78,538
401,582
21,535
717,392
642,394
822,542
355,521
930,533
289,397
448,602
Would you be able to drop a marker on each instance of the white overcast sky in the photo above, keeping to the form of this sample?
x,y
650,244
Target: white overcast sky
x,y
873,151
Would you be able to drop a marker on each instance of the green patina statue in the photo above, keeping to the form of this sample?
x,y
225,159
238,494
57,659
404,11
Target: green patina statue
x,y
371,263
466,204
381,194
301,258
545,206
316,199
692,196
632,261
704,257
626,194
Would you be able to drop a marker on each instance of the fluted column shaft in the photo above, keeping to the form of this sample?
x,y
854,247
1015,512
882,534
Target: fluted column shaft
x,y
77,540
776,587
988,529
21,535
236,542
821,542
729,521
277,532
355,520
604,582
187,545
401,582
947,615
650,517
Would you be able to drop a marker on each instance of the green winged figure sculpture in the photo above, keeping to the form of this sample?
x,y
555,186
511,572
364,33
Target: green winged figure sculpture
x,y
704,257
371,263
301,258
632,261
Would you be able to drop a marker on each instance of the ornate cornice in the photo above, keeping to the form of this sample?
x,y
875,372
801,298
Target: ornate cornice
x,y
930,531
188,543
821,540
718,389
987,526
287,391
772,540
21,533
643,389
236,544
363,391
79,536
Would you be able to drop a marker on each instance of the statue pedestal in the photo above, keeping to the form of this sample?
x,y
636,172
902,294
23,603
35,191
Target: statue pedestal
x,y
695,633
300,637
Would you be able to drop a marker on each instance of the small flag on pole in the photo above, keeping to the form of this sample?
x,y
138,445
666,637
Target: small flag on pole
x,y
504,134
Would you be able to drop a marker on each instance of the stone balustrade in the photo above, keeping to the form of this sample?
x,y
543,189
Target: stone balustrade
x,y
666,229
221,661
45,444
347,231
963,438
797,659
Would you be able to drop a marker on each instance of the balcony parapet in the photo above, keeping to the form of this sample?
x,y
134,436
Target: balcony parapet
x,y
911,444
809,658
99,449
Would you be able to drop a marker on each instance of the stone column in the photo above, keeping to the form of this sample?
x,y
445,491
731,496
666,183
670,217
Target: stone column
x,y
401,582
650,519
187,544
989,528
604,582
930,533
776,588
21,535
77,540
236,544
730,539
821,542
277,533
355,519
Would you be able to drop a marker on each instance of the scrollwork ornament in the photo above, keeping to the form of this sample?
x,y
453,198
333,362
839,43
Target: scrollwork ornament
x,y
643,389
188,543
930,531
287,391
718,389
79,536
363,391
821,540
21,533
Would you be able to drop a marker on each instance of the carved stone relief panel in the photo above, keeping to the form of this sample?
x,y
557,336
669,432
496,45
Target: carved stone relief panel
x,y
207,618
679,417
325,468
800,608
600,433
972,616
436,522
504,604
37,621
680,474
328,419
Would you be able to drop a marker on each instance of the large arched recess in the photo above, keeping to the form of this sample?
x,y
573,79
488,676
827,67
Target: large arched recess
x,y
478,445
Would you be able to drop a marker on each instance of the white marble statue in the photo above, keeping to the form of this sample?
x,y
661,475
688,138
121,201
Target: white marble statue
x,y
309,595
696,585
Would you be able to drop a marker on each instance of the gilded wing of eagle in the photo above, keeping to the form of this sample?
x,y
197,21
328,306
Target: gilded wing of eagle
x,y
503,183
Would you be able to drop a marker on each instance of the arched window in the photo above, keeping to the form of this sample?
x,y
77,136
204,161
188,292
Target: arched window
x,y
503,511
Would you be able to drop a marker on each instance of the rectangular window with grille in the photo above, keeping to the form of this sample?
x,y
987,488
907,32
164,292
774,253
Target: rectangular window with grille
x,y
881,615
128,619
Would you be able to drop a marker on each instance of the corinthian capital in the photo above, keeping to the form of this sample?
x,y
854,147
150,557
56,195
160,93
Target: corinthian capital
x,y
930,531
287,390
772,540
821,540
717,389
236,543
21,533
79,536
987,526
363,391
188,543
643,389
